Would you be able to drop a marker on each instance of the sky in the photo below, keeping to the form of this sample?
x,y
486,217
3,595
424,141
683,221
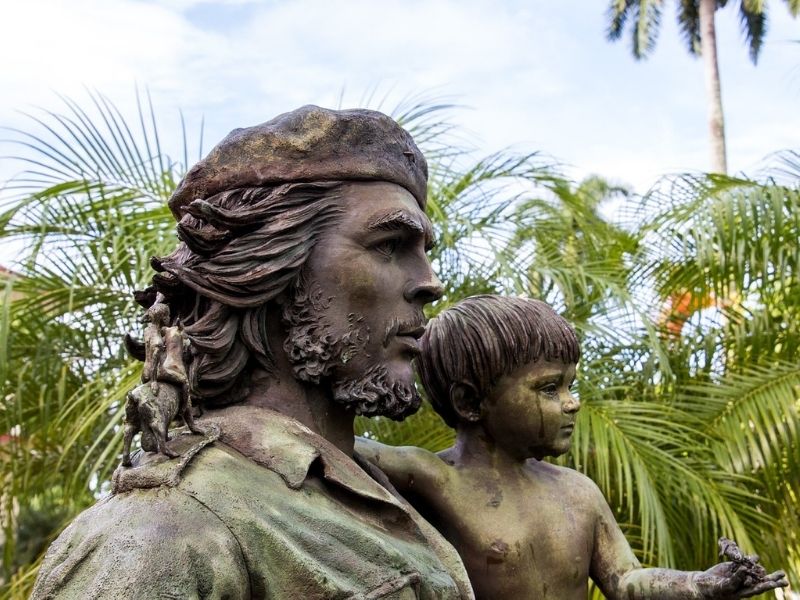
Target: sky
x,y
535,75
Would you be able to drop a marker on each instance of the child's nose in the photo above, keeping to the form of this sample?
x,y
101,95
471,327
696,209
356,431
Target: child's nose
x,y
571,404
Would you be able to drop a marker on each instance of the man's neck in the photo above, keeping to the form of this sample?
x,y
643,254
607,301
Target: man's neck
x,y
312,405
306,403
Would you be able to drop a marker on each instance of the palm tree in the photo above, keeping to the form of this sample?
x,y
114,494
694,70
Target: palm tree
x,y
734,366
89,212
660,431
696,19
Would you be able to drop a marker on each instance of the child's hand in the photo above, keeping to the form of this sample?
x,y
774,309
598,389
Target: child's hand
x,y
742,577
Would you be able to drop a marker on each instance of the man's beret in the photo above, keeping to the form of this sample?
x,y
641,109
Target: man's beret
x,y
308,144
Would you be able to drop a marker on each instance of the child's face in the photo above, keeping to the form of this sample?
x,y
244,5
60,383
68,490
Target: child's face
x,y
531,412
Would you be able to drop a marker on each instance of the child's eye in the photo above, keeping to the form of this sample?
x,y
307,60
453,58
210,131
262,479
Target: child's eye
x,y
551,389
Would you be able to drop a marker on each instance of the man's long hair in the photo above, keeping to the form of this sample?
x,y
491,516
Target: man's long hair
x,y
239,250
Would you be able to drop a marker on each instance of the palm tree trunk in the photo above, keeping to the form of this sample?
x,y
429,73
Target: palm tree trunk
x,y
708,48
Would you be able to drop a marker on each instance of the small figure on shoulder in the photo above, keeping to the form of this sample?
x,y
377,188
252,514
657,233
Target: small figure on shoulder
x,y
500,371
155,319
164,394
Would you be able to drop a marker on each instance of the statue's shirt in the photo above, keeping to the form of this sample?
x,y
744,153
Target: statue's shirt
x,y
271,510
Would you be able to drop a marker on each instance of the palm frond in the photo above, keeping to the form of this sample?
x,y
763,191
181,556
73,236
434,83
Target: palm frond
x,y
689,24
754,411
424,429
643,17
753,20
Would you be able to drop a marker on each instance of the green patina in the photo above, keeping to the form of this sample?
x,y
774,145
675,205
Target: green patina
x,y
283,514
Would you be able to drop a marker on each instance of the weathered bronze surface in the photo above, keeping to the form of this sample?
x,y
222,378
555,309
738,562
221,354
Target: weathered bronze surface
x,y
164,394
293,303
500,370
299,283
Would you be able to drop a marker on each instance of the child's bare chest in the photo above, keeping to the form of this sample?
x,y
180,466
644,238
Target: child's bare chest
x,y
525,543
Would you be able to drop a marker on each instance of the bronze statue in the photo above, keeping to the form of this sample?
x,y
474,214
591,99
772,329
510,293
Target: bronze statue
x,y
164,395
499,370
299,282
156,318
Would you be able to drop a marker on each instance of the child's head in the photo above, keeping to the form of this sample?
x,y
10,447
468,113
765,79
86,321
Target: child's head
x,y
483,338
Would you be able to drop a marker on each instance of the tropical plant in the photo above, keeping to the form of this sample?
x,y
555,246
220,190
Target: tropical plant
x,y
661,430
88,212
733,242
696,20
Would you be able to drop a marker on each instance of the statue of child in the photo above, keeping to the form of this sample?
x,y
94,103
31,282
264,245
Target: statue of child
x,y
499,370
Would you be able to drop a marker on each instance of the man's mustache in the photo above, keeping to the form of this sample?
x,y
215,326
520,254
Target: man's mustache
x,y
414,327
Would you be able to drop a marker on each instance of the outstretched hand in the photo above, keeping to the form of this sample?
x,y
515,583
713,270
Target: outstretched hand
x,y
730,580
741,577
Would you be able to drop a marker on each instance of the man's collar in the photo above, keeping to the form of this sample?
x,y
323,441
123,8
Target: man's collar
x,y
289,448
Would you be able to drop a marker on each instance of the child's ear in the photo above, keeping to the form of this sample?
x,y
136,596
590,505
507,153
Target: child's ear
x,y
466,402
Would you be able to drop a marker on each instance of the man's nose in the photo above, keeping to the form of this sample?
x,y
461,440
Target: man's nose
x,y
571,404
424,289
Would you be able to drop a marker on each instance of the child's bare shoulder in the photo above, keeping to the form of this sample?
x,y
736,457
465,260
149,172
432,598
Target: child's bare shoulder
x,y
568,483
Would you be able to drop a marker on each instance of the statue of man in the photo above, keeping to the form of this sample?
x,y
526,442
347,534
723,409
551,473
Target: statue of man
x,y
299,282
164,393
156,319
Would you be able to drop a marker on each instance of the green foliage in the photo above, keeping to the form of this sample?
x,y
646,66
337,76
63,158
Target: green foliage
x,y
88,213
734,242
643,19
689,418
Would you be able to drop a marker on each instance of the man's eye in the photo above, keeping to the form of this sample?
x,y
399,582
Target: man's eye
x,y
387,247
551,389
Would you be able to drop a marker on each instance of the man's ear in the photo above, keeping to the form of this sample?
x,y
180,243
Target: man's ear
x,y
466,402
281,298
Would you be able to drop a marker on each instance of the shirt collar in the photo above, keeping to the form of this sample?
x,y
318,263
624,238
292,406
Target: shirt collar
x,y
289,448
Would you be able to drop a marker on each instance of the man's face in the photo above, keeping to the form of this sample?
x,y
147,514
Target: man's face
x,y
357,316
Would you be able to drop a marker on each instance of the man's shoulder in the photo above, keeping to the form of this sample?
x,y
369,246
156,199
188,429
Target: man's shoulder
x,y
154,470
155,535
170,527
259,509
142,540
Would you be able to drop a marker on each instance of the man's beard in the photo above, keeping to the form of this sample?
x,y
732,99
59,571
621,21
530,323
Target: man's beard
x,y
315,352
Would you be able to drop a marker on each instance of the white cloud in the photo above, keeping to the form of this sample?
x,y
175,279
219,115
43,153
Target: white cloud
x,y
536,74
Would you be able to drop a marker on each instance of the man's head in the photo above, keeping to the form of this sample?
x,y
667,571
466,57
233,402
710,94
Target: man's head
x,y
158,314
356,313
308,144
470,347
275,221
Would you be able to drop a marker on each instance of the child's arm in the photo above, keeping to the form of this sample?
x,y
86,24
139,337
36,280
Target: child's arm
x,y
409,468
619,575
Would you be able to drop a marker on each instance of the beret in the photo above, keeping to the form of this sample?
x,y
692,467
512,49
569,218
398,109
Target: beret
x,y
304,145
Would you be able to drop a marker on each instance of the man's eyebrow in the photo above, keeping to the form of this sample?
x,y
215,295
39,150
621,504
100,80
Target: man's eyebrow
x,y
401,219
